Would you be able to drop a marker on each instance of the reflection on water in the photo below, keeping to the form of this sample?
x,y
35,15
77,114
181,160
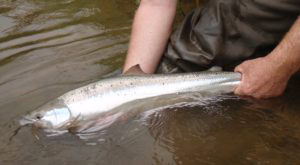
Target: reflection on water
x,y
50,47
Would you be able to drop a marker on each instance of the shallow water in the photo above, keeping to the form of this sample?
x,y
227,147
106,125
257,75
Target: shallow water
x,y
50,47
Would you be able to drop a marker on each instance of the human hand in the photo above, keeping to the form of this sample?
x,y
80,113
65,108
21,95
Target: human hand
x,y
263,77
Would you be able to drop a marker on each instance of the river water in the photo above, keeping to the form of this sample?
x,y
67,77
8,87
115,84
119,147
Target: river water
x,y
50,47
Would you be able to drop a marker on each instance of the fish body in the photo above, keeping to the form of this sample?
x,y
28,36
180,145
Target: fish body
x,y
103,97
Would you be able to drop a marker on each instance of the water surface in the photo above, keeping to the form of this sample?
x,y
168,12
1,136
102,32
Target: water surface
x,y
50,47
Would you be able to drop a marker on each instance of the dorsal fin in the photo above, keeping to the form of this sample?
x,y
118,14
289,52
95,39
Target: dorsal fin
x,y
135,70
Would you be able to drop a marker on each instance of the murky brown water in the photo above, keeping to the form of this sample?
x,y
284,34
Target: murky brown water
x,y
50,47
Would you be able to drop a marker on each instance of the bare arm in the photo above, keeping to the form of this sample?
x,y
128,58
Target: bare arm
x,y
287,52
268,76
151,29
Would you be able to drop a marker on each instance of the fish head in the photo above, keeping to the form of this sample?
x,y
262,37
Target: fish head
x,y
53,115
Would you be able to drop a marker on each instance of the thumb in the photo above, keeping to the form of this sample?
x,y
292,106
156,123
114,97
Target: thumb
x,y
238,90
239,68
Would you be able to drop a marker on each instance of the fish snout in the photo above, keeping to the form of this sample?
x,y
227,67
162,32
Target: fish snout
x,y
26,121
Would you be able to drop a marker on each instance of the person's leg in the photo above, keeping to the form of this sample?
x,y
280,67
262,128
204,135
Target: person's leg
x,y
226,32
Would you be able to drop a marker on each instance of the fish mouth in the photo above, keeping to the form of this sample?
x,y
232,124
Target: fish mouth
x,y
26,121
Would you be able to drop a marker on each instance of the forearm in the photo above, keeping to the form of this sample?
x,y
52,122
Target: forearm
x,y
287,53
150,32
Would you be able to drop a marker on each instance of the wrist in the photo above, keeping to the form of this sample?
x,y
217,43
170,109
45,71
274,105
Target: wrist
x,y
282,63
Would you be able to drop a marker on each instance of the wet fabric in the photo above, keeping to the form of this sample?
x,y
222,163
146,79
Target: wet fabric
x,y
227,32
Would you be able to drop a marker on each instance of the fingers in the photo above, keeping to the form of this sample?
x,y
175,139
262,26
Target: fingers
x,y
243,88
238,90
242,92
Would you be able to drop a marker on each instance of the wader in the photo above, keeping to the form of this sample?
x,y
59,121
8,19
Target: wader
x,y
227,32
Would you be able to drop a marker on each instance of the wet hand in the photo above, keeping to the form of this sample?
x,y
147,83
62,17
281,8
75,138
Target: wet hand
x,y
262,78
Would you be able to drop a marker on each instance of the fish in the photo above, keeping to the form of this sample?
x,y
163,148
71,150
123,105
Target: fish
x,y
100,100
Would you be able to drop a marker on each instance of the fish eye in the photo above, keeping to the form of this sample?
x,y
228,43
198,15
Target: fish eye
x,y
38,116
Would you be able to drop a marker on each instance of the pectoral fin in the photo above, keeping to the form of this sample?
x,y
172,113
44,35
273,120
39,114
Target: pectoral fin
x,y
215,69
